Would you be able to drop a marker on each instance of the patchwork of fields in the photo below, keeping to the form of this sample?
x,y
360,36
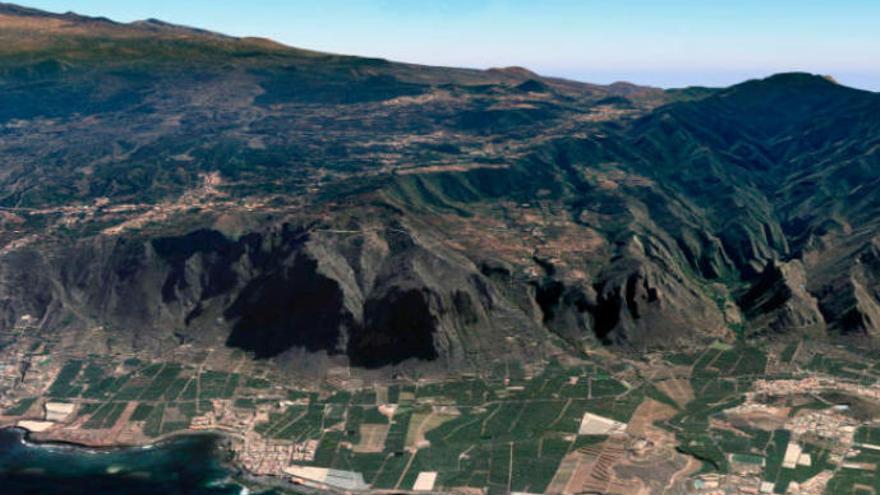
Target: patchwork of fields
x,y
734,418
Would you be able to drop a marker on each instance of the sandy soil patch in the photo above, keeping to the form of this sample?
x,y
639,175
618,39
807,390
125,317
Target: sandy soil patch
x,y
678,390
642,422
372,438
423,422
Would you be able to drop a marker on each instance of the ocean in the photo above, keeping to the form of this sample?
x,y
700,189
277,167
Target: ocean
x,y
188,465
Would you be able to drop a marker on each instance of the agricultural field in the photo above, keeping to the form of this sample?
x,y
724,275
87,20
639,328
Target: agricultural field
x,y
718,416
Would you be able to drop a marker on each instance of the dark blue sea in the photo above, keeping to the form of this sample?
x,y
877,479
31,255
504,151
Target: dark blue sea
x,y
190,465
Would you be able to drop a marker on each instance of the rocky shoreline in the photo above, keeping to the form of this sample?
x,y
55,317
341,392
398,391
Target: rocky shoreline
x,y
223,444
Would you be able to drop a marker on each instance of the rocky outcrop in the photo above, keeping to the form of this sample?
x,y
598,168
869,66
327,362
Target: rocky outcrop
x,y
849,296
634,302
643,302
779,302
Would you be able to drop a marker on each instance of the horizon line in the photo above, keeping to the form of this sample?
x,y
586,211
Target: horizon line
x,y
547,73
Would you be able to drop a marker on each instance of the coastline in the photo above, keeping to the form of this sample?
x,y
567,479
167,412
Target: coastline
x,y
237,474
43,440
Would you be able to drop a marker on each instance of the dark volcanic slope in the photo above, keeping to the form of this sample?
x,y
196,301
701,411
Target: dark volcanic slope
x,y
162,184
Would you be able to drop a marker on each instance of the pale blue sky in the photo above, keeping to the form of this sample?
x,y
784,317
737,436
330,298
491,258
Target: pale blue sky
x,y
659,42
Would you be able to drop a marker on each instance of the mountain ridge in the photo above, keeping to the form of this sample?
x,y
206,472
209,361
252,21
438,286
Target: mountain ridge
x,y
315,209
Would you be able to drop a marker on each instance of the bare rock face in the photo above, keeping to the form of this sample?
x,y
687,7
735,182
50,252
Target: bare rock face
x,y
634,302
25,290
848,294
644,302
377,297
778,301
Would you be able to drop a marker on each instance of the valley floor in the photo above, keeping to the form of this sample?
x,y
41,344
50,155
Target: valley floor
x,y
732,418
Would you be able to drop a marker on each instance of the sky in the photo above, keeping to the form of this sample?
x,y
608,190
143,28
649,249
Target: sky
x,y
666,43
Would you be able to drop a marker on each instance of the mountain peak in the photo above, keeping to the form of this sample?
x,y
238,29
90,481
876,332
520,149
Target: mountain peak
x,y
800,78
13,10
154,24
69,23
516,72
787,85
783,104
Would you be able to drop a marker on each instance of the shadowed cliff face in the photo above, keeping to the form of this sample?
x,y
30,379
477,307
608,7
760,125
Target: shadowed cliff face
x,y
378,299
213,247
398,326
167,185
295,307
283,298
